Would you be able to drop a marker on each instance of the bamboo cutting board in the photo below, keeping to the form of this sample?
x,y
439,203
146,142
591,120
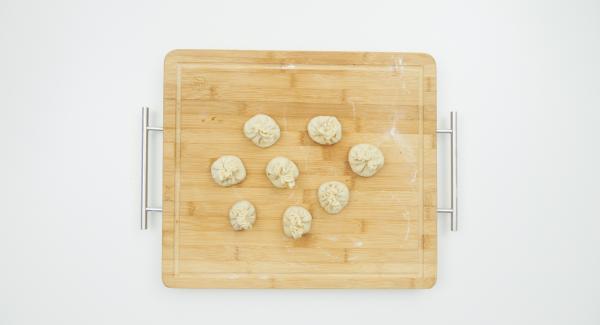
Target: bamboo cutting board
x,y
385,237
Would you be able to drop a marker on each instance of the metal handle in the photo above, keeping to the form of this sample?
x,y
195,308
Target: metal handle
x,y
453,210
144,192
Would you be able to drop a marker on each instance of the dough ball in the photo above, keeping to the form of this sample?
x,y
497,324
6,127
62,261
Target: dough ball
x,y
365,159
262,130
296,221
333,196
242,215
228,170
325,129
282,172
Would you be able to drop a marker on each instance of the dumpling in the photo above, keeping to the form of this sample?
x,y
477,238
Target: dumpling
x,y
282,172
325,129
262,130
365,159
242,215
228,170
296,221
333,196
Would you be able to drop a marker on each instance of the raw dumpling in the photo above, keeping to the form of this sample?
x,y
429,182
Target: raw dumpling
x,y
296,221
282,172
228,170
262,130
325,129
365,159
242,215
333,196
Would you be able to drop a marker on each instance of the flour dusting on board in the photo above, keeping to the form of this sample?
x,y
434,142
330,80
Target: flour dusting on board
x,y
351,101
398,66
400,139
288,66
285,120
393,132
413,176
406,216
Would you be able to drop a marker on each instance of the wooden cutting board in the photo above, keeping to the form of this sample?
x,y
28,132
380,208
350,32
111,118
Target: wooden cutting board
x,y
386,236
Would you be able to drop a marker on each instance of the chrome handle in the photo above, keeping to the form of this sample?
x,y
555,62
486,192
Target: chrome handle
x,y
453,210
144,192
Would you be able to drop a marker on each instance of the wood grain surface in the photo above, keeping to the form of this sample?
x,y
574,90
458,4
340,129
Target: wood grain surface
x,y
385,238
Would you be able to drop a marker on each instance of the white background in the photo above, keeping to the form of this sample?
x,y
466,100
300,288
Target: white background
x,y
523,76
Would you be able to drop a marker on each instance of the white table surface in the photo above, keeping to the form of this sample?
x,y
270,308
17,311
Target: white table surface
x,y
523,76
